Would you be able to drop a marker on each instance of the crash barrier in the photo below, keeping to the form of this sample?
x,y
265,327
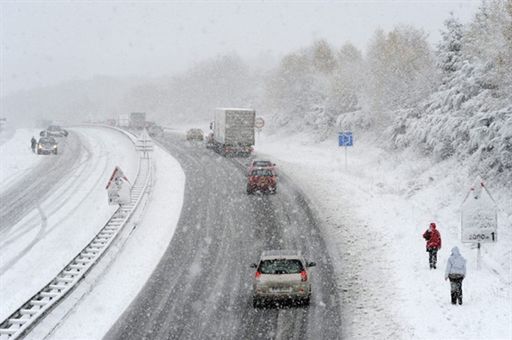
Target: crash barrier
x,y
35,308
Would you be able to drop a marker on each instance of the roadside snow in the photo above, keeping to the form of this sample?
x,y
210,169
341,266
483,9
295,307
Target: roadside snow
x,y
374,213
106,292
16,158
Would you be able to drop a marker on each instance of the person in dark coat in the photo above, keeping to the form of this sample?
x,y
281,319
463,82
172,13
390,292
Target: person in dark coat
x,y
455,271
33,143
433,239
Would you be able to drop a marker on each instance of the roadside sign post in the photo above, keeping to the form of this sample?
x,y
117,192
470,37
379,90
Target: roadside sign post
x,y
259,123
479,217
345,139
144,144
118,188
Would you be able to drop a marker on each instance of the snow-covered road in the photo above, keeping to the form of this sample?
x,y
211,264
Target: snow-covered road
x,y
91,309
66,208
202,288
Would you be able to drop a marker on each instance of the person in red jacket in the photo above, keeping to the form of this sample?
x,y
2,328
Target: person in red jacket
x,y
433,238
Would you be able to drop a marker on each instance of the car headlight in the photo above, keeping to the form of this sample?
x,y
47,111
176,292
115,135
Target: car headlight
x,y
55,146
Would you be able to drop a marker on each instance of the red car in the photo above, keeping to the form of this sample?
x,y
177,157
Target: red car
x,y
257,163
262,179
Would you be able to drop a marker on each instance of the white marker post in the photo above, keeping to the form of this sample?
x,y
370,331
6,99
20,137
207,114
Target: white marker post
x,y
479,218
259,123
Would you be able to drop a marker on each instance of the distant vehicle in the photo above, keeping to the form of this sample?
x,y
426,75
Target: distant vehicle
x,y
153,129
195,134
123,121
258,163
137,120
262,180
233,131
56,131
111,122
46,146
281,275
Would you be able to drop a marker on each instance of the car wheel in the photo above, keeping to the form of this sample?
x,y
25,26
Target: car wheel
x,y
305,302
249,191
256,303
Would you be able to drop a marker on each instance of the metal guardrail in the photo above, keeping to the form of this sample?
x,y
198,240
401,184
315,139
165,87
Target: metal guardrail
x,y
35,308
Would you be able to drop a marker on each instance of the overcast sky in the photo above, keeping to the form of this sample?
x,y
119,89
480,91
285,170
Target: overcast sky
x,y
47,42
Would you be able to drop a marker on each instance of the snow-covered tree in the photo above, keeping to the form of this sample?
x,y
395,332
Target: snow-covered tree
x,y
399,69
450,48
470,115
346,81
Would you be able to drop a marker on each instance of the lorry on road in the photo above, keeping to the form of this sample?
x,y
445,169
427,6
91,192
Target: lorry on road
x,y
233,131
137,120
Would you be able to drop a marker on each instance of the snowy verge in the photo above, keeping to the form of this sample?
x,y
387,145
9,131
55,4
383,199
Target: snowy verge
x,y
99,301
16,158
373,213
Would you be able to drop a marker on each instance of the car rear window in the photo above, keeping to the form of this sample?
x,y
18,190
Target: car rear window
x,y
262,172
262,163
280,266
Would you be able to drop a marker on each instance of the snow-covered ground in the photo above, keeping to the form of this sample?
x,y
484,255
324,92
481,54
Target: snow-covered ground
x,y
16,158
89,311
374,213
34,250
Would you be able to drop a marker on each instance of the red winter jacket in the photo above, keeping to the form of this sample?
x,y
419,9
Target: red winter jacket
x,y
435,237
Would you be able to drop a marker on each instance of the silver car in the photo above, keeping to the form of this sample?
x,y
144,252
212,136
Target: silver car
x,y
281,275
46,146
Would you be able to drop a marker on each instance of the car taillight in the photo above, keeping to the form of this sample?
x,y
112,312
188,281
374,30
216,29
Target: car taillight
x,y
257,276
304,275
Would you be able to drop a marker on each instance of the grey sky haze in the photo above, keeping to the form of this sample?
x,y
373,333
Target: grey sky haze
x,y
43,43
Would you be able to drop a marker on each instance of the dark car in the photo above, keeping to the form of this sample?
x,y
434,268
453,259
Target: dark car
x,y
195,134
46,146
262,180
56,131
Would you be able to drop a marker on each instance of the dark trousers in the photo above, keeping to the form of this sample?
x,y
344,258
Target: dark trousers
x,y
456,287
432,257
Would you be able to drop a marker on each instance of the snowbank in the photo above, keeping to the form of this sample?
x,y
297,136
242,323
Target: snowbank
x,y
374,212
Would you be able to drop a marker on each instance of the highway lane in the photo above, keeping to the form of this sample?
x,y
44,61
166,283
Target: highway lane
x,y
201,288
25,194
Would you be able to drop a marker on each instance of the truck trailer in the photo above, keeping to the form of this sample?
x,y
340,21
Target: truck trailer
x,y
137,120
233,131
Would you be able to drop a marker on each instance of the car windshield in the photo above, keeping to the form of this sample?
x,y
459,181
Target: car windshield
x,y
262,172
280,266
261,163
54,128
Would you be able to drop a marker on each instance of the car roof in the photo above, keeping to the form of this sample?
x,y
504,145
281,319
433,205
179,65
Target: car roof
x,y
281,253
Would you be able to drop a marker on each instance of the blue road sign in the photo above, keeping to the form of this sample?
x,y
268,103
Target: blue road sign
x,y
345,139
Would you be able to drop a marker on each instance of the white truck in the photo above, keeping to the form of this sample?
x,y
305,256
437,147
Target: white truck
x,y
233,131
